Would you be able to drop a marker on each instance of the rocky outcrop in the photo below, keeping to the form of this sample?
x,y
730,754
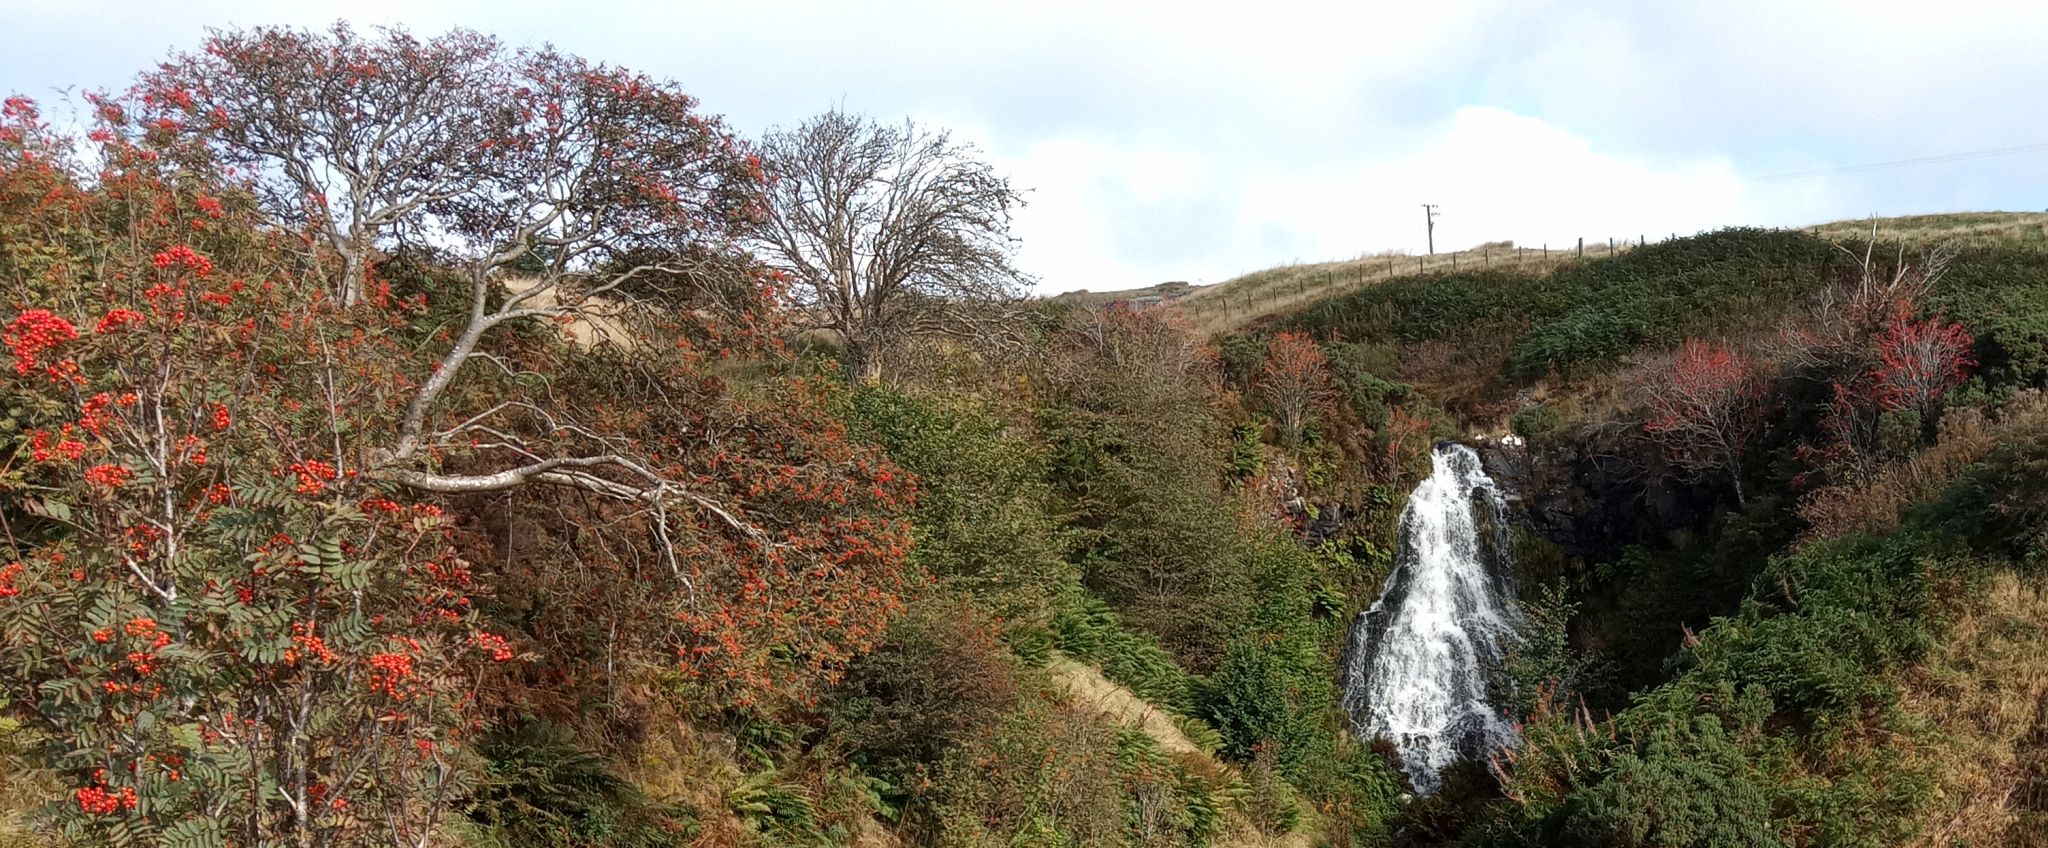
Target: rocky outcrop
x,y
1594,493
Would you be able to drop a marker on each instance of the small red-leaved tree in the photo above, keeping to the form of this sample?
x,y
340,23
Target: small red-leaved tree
x,y
1705,404
1294,381
1893,398
1919,360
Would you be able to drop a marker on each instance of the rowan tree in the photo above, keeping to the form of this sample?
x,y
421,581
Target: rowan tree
x,y
887,233
1705,404
219,633
1919,360
353,137
1294,381
578,180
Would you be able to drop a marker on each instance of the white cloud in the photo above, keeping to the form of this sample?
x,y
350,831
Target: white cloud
x,y
1495,174
1209,138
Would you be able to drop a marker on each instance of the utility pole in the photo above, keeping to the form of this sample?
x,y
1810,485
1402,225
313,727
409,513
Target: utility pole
x,y
1429,214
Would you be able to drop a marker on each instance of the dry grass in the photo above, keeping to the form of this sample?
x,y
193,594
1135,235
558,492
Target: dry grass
x,y
1088,689
601,319
1963,228
1984,698
22,789
1876,505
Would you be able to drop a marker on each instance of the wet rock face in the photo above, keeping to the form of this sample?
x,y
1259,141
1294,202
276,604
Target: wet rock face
x,y
1593,497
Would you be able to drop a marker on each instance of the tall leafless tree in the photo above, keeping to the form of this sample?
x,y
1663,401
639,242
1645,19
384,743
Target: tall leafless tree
x,y
887,232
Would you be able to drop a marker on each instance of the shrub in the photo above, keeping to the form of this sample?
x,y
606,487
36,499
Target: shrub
x,y
539,788
2001,295
1536,421
1587,315
939,678
1686,784
983,521
1048,774
1249,702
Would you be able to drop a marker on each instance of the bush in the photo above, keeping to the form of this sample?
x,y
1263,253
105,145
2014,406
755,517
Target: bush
x,y
1046,775
1249,702
983,521
1686,784
939,678
539,788
2001,294
1536,421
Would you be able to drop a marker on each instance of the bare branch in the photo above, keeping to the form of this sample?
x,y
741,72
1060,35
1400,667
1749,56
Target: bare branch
x,y
887,231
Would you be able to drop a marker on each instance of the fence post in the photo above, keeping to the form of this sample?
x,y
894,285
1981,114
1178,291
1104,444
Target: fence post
x,y
1582,247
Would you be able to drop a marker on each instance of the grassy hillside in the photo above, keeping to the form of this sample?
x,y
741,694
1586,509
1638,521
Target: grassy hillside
x,y
1816,626
1259,295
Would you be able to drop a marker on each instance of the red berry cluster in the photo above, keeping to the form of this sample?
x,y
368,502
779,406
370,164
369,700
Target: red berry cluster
x,y
96,800
8,574
184,257
496,646
33,333
391,674
107,476
307,643
117,320
41,450
314,476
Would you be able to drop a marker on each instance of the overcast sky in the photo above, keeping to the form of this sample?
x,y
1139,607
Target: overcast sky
x,y
1193,141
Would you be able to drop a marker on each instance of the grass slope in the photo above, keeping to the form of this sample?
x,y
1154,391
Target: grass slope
x,y
1247,299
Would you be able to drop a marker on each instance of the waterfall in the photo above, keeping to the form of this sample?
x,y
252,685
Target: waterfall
x,y
1420,658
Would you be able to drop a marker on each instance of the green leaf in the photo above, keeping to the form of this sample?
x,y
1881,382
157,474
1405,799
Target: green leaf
x,y
192,833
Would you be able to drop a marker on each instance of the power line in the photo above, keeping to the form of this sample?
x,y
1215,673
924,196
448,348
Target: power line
x,y
1907,163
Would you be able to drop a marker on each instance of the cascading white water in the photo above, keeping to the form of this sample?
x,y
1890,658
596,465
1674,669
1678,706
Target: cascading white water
x,y
1421,657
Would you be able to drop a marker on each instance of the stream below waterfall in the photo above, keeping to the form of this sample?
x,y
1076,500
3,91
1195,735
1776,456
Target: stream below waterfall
x,y
1421,657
